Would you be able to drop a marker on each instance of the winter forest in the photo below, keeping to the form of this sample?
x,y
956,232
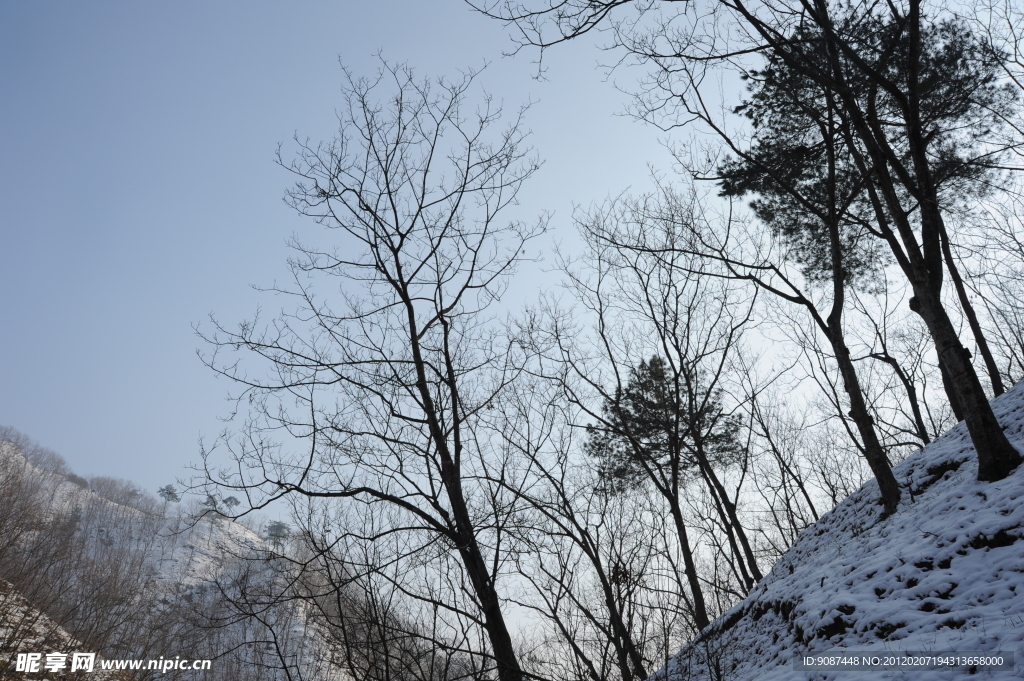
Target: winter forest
x,y
778,365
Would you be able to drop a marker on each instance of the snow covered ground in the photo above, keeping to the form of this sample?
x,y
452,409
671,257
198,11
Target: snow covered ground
x,y
945,573
35,632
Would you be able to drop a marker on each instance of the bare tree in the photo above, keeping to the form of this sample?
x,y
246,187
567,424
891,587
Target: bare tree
x,y
389,381
781,475
644,370
673,226
995,274
589,573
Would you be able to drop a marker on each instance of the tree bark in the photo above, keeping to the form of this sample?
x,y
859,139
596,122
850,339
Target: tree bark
x,y
700,613
972,318
996,456
873,451
947,385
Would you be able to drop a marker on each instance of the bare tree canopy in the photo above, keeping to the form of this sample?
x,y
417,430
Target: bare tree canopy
x,y
388,378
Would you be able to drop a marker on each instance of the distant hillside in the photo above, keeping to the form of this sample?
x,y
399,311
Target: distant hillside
x,y
35,632
133,580
945,573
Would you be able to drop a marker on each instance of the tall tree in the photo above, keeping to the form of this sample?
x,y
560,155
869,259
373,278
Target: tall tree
x,y
659,421
387,381
784,109
664,427
908,109
807,198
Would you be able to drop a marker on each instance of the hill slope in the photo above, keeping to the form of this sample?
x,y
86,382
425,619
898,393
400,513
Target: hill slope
x,y
82,573
944,573
35,632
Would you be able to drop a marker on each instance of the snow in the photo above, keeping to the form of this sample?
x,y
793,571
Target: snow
x,y
183,548
35,632
192,553
944,573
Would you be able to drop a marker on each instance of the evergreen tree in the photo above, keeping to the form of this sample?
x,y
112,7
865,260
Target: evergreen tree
x,y
652,426
665,429
169,493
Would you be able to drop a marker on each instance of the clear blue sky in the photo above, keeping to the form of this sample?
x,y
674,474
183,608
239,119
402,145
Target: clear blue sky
x,y
138,191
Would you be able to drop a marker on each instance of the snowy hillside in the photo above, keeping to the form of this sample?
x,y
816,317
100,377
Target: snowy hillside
x,y
179,549
20,621
945,573
82,573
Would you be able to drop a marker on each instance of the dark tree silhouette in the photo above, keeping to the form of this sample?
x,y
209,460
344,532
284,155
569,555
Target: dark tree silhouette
x,y
388,382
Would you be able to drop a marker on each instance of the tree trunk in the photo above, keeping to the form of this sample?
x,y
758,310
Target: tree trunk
x,y
625,649
727,511
996,456
873,451
908,386
476,568
700,613
950,389
972,319
501,641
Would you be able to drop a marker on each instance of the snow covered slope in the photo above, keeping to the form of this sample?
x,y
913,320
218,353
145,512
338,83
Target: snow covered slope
x,y
180,547
20,621
945,573
134,580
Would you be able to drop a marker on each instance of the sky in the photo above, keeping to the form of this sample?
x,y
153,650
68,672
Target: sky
x,y
139,193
